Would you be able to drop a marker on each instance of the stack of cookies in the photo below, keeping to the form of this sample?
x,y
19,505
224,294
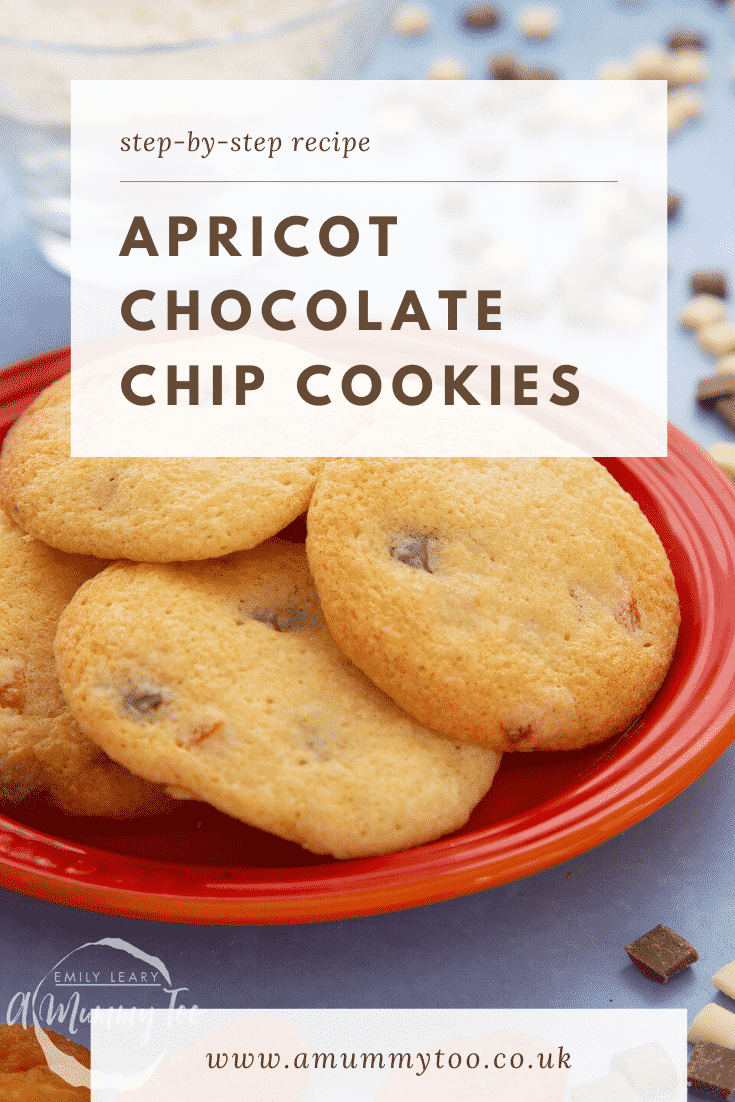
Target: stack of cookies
x,y
353,695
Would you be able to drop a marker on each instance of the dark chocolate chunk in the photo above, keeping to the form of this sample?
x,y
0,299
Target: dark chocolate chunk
x,y
280,619
726,408
503,67
413,550
539,72
141,703
712,389
710,282
481,18
711,1069
661,953
686,38
673,205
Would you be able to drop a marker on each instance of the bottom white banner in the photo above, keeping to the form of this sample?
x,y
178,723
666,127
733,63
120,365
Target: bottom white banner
x,y
384,1055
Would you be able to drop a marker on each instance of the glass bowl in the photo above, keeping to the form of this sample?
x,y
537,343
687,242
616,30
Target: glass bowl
x,y
294,39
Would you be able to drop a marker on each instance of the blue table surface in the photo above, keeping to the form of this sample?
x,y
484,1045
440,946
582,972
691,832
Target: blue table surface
x,y
554,939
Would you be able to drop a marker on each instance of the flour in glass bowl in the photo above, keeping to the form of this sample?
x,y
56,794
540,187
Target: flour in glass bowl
x,y
46,43
144,22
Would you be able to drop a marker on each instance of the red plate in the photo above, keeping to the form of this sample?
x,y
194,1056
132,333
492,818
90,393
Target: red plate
x,y
195,865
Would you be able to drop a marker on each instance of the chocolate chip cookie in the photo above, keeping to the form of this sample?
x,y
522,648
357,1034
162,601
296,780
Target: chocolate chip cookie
x,y
522,604
148,510
221,680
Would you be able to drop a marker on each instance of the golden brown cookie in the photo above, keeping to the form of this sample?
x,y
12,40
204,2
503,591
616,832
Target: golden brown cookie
x,y
24,1073
148,510
221,679
523,604
41,747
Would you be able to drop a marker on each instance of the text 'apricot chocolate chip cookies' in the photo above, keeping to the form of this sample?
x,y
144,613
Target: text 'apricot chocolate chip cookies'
x,y
148,510
522,604
221,680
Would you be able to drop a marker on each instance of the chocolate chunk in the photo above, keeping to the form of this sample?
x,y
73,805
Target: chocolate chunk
x,y
686,38
710,282
726,408
280,619
673,205
712,389
661,953
718,392
539,72
503,67
413,550
141,703
481,18
711,1069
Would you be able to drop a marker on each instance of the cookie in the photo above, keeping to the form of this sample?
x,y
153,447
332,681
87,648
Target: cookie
x,y
522,604
41,748
150,510
24,1073
221,680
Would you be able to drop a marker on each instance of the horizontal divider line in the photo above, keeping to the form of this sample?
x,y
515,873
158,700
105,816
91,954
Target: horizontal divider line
x,y
368,181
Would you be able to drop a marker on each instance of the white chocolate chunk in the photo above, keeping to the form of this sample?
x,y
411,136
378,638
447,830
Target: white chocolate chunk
x,y
703,310
616,70
411,20
689,67
683,107
446,68
723,454
649,1069
652,63
454,202
625,311
538,22
610,1088
714,1024
718,338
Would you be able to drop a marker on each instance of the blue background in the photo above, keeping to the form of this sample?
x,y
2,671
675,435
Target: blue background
x,y
554,939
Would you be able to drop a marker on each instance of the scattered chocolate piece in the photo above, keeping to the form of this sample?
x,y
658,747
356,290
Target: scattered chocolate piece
x,y
718,339
661,953
412,20
711,1069
712,389
503,67
713,281
446,68
718,392
713,1024
686,38
723,454
673,205
702,311
540,72
481,18
538,21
